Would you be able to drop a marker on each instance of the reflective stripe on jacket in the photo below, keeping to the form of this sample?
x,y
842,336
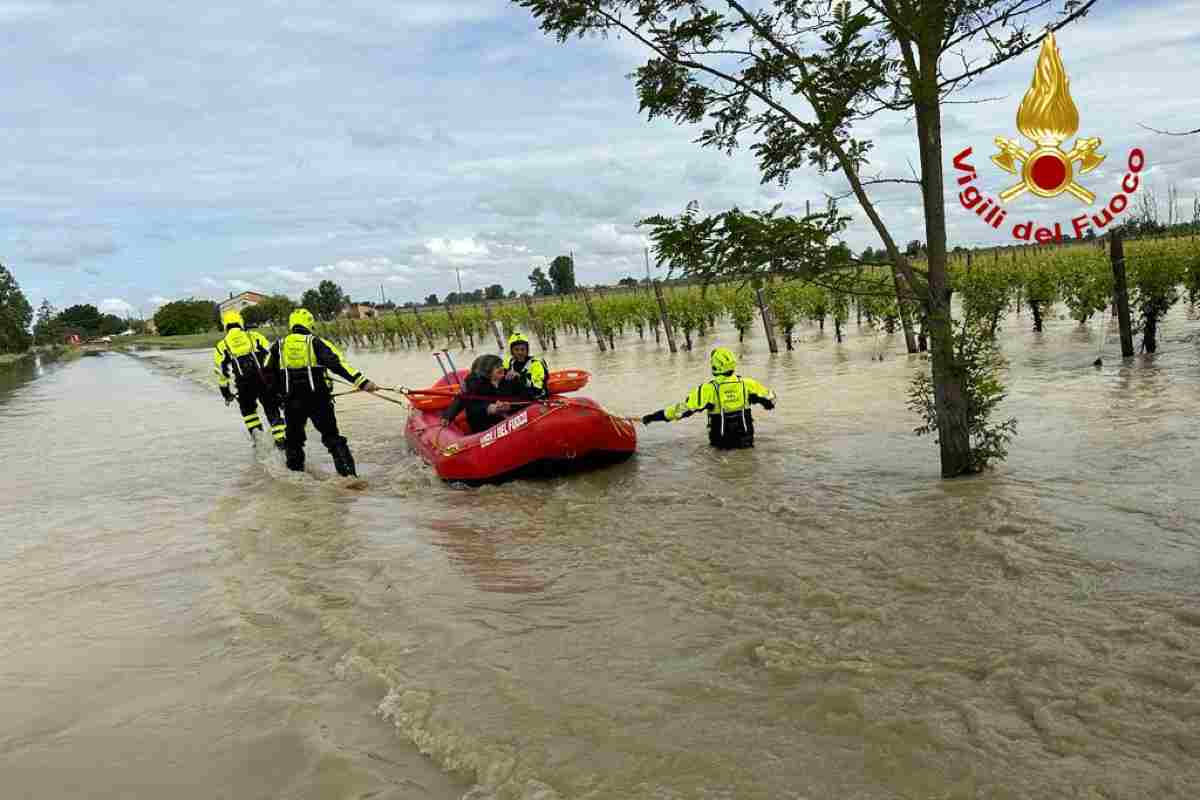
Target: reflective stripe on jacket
x,y
304,358
721,397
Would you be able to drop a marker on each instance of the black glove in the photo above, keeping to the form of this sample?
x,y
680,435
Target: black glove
x,y
228,395
765,402
657,416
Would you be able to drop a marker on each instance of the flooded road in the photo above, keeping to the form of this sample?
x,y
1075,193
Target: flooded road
x,y
820,617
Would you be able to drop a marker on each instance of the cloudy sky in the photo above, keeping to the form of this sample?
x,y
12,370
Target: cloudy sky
x,y
157,150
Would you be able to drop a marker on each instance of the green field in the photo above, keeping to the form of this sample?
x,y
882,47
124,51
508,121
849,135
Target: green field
x,y
187,342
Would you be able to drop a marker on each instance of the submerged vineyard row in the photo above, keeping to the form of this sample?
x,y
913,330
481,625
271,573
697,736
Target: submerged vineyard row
x,y
1160,272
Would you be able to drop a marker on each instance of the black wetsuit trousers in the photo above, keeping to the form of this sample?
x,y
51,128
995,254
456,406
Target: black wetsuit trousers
x,y
303,405
251,392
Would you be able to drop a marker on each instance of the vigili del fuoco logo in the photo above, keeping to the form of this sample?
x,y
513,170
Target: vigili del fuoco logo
x,y
1047,117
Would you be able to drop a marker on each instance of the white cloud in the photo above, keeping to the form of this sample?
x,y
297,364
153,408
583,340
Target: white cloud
x,y
115,305
290,275
456,249
242,286
494,169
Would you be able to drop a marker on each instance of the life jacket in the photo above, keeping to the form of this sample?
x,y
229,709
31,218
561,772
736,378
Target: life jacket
x,y
298,362
241,348
729,415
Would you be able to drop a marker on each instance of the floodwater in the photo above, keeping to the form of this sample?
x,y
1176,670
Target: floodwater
x,y
820,617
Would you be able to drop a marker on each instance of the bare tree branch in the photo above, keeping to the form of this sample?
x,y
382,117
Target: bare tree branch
x,y
1074,15
1170,133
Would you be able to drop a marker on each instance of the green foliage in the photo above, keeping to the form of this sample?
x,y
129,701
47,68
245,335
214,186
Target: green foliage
x,y
541,284
494,292
1085,281
48,329
562,274
15,315
786,301
184,317
986,289
326,301
1040,286
739,304
980,362
111,325
274,310
734,245
255,315
83,320
1154,269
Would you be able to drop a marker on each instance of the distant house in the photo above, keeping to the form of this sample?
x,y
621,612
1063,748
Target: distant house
x,y
359,311
241,302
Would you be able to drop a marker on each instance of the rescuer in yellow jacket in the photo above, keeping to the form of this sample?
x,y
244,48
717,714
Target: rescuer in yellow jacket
x,y
727,399
529,374
303,362
241,355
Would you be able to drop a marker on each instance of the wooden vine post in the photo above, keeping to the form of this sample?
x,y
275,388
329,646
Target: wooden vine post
x,y
533,323
457,328
1121,294
487,313
424,328
587,301
768,322
663,317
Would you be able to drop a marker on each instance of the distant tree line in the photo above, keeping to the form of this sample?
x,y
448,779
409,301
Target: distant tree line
x,y
15,315
561,278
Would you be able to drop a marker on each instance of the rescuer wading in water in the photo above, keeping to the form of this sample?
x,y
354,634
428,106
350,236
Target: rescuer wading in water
x,y
303,361
242,355
727,398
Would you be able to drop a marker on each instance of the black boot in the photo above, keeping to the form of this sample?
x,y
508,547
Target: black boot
x,y
343,461
295,457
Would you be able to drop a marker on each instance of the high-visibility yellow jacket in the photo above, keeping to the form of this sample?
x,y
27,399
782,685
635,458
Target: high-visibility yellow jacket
x,y
727,399
532,373
240,354
304,361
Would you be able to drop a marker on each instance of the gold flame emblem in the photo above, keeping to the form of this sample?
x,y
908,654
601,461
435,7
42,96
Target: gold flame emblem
x,y
1047,117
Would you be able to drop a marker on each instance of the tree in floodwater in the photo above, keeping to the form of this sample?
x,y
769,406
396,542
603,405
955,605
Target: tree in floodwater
x,y
15,315
799,75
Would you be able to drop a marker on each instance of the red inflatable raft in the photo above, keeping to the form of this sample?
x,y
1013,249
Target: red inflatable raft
x,y
558,435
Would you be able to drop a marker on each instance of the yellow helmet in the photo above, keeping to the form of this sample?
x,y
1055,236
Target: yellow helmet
x,y
303,318
232,317
517,338
723,361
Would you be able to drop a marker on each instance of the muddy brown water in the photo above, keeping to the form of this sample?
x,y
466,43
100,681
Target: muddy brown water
x,y
820,617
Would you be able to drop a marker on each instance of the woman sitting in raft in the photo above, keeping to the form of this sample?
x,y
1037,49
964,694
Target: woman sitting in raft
x,y
486,381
